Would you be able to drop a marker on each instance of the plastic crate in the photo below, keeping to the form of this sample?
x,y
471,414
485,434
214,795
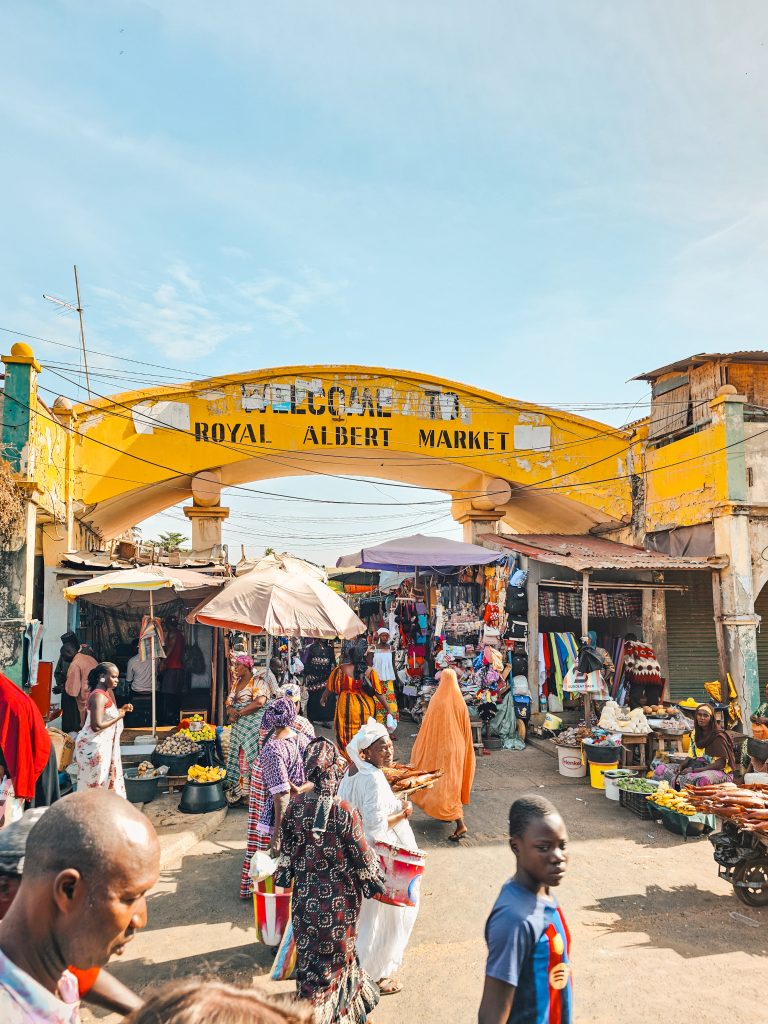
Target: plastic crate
x,y
637,803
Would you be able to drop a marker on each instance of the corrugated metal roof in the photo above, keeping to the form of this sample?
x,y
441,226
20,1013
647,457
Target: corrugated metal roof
x,y
580,552
755,356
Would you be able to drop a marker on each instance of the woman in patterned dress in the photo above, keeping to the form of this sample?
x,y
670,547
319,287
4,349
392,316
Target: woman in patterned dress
x,y
325,856
245,708
97,747
359,693
279,772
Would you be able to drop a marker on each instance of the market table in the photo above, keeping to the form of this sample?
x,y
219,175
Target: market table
x,y
635,751
661,742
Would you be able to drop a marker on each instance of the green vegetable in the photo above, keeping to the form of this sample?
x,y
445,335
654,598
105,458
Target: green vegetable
x,y
636,786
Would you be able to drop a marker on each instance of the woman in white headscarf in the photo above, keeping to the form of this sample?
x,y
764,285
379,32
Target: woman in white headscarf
x,y
383,931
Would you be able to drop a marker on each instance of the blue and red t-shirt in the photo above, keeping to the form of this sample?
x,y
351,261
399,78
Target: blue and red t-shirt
x,y
528,947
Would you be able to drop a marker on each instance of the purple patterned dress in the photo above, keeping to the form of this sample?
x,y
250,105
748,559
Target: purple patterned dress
x,y
282,764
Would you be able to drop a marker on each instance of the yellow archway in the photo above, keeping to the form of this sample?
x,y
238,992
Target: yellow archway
x,y
140,452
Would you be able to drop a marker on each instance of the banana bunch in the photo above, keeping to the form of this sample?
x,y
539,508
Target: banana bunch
x,y
199,774
674,801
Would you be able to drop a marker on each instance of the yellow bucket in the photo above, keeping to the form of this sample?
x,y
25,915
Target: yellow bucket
x,y
596,772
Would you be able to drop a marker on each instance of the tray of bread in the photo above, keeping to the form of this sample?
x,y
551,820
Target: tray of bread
x,y
404,778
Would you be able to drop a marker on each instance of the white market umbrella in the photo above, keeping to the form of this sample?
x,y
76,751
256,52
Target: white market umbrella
x,y
281,603
125,588
285,561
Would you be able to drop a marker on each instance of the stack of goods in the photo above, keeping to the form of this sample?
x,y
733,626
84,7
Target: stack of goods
x,y
618,719
670,720
177,745
196,728
573,737
665,796
147,770
680,812
745,806
404,778
202,776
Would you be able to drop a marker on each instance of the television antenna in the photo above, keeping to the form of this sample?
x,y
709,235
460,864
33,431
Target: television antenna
x,y
79,310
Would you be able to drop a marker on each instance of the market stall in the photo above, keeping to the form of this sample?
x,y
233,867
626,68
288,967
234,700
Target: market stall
x,y
135,594
452,604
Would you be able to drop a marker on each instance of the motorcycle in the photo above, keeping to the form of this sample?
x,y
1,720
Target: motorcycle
x,y
742,860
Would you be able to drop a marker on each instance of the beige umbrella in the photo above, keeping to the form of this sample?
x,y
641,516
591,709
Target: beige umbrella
x,y
125,588
281,603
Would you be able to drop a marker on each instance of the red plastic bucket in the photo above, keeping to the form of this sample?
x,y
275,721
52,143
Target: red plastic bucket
x,y
402,874
271,910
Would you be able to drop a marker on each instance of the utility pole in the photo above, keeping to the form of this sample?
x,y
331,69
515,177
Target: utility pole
x,y
79,310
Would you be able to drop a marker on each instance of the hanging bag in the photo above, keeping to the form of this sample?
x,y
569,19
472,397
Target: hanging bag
x,y
194,659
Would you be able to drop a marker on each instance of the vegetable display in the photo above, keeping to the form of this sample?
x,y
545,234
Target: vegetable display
x,y
636,786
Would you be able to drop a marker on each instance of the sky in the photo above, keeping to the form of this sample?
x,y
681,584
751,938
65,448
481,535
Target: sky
x,y
540,199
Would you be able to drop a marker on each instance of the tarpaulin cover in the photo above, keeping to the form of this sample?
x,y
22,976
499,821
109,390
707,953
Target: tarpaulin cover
x,y
406,554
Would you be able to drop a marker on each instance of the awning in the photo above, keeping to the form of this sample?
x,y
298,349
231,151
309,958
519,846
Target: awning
x,y
406,554
584,552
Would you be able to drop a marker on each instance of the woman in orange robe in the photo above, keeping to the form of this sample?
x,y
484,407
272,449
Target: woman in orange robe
x,y
445,742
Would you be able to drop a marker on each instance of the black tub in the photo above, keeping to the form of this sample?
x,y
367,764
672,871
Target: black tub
x,y
202,797
138,789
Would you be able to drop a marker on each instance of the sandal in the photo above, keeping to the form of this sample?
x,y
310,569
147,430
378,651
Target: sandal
x,y
389,987
456,837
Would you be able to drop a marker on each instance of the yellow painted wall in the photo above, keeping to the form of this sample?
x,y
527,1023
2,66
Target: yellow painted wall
x,y
686,479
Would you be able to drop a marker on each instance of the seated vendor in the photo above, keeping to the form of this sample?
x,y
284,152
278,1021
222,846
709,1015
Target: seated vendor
x,y
711,759
759,722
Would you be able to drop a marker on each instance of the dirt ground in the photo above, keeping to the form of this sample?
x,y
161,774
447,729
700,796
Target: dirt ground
x,y
654,929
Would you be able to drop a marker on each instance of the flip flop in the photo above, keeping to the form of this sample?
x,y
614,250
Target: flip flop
x,y
390,990
456,837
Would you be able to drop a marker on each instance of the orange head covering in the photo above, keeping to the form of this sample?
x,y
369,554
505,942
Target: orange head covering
x,y
445,742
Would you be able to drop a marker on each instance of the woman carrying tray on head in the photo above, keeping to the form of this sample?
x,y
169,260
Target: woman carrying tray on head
x,y
383,931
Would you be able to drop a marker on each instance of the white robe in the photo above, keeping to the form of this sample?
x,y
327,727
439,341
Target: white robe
x,y
383,931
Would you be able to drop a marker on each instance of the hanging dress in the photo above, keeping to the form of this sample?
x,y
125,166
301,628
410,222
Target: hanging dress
x,y
97,753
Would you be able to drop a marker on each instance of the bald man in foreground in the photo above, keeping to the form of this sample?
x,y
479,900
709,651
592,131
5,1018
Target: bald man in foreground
x,y
90,861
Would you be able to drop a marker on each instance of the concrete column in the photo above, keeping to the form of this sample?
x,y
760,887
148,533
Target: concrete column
x,y
206,529
17,547
732,538
477,523
655,626
739,621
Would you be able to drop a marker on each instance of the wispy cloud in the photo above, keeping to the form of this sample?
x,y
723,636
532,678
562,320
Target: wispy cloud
x,y
285,301
174,319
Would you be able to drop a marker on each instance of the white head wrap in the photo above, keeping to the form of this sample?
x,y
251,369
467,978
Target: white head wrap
x,y
363,739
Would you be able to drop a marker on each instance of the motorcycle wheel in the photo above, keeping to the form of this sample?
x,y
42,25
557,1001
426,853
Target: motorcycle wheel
x,y
752,873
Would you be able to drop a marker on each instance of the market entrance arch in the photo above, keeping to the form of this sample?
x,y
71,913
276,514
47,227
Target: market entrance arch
x,y
138,453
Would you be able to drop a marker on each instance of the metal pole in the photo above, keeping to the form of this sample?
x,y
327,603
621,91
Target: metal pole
x,y
82,336
154,664
584,631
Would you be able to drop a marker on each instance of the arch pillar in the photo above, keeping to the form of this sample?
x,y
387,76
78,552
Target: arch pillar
x,y
206,514
206,529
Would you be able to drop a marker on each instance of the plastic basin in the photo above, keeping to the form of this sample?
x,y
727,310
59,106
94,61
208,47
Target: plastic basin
x,y
139,790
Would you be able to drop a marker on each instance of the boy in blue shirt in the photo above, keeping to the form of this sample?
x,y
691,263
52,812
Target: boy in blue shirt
x,y
528,974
